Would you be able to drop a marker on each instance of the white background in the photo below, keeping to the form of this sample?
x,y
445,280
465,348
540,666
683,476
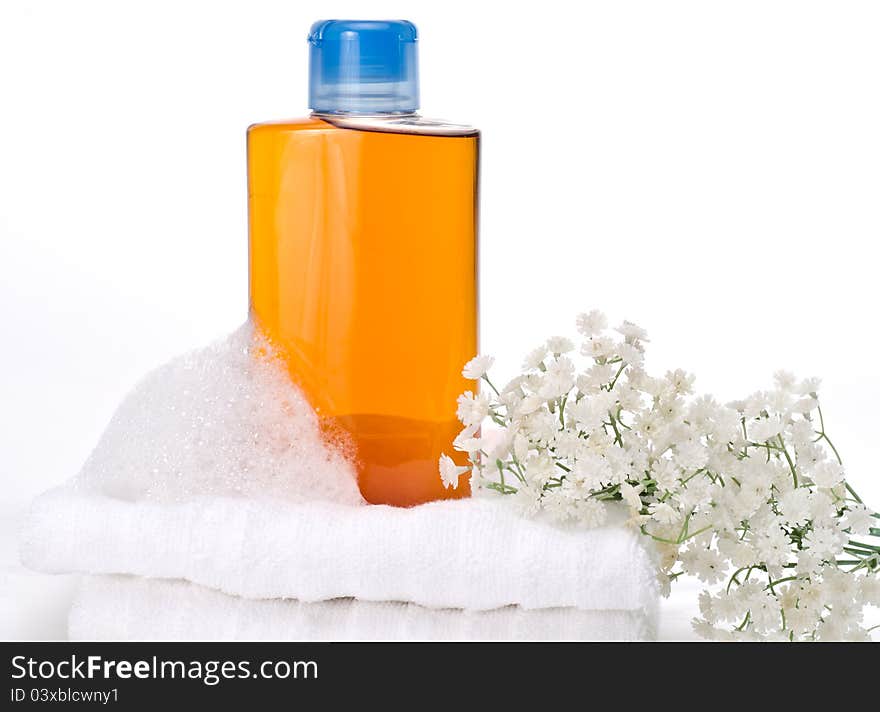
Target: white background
x,y
706,169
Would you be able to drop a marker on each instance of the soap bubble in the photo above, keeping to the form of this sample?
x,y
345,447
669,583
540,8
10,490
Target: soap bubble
x,y
222,420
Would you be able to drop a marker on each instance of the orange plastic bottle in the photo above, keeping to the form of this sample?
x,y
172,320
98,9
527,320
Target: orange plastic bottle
x,y
363,259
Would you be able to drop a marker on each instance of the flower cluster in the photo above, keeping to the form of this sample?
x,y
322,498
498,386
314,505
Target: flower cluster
x,y
750,497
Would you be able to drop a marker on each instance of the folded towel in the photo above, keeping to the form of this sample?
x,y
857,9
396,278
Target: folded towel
x,y
134,608
214,471
475,554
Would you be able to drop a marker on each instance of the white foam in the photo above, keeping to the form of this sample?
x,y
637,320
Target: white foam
x,y
225,419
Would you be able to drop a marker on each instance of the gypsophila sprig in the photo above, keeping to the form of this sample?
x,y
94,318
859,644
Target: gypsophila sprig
x,y
749,497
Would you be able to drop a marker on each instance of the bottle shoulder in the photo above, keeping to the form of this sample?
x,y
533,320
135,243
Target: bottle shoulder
x,y
305,123
403,124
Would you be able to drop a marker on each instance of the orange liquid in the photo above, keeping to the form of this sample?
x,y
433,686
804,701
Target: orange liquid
x,y
363,273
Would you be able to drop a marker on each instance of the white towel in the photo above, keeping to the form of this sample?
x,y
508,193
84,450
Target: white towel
x,y
135,608
213,471
476,554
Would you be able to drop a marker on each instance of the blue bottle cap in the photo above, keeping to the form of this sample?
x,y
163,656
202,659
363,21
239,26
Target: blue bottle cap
x,y
363,67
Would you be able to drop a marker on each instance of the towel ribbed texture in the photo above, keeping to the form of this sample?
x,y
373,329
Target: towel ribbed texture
x,y
476,554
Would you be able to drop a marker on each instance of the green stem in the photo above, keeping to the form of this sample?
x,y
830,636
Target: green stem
x,y
617,438
788,459
690,477
696,533
645,531
824,436
491,385
503,489
734,579
771,584
500,466
853,493
745,621
616,376
521,475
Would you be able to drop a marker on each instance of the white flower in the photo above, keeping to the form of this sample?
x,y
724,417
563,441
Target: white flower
x,y
805,405
529,404
632,332
630,354
567,445
827,474
595,377
450,472
825,542
752,406
785,381
664,513
680,381
839,585
514,385
588,414
592,323
869,590
592,470
704,629
599,347
813,597
780,401
724,426
801,435
534,358
497,443
832,629
477,367
541,427
800,621
764,612
567,435
630,495
766,428
702,411
557,345
707,607
527,500
859,519
772,546
807,563
466,442
705,564
666,474
691,455
472,410
472,446
738,552
822,507
795,505
809,387
539,469
559,378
